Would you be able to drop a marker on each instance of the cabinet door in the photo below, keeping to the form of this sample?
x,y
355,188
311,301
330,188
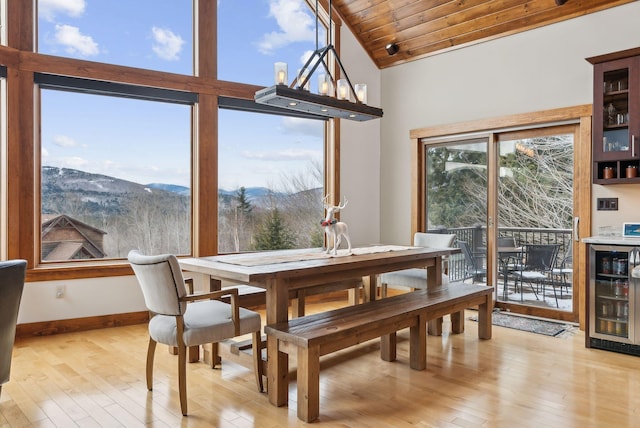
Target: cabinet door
x,y
616,115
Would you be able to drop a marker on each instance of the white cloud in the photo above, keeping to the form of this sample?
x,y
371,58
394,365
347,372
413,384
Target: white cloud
x,y
167,45
74,41
295,24
283,155
74,162
64,141
294,125
48,9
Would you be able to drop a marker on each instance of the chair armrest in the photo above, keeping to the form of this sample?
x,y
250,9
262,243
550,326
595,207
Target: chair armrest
x,y
188,282
217,295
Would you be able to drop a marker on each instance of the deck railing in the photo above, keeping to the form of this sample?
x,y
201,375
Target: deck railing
x,y
476,237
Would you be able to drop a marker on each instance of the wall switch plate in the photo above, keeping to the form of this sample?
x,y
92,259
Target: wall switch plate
x,y
607,204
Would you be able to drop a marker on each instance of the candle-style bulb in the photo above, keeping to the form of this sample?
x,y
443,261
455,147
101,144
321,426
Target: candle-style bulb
x,y
280,73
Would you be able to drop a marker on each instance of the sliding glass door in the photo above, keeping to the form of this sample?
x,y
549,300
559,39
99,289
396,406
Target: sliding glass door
x,y
456,183
535,214
508,196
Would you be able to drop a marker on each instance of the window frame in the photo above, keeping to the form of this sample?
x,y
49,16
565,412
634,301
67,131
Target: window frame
x,y
21,201
105,89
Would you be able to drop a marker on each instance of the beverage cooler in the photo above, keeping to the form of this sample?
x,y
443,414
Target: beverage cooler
x,y
614,298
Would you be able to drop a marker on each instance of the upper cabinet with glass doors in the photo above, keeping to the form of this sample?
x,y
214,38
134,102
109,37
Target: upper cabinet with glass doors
x,y
616,117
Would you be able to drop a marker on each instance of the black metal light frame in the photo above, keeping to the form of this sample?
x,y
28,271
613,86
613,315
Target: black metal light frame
x,y
295,97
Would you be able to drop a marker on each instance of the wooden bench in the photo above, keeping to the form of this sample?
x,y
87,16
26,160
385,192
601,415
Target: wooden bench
x,y
312,336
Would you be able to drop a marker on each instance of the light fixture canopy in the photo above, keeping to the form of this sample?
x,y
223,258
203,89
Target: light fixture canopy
x,y
297,96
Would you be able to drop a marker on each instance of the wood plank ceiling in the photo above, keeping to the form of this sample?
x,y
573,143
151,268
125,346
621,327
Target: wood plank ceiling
x,y
426,27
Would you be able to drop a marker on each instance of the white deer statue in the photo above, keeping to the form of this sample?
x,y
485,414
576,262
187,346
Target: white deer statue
x,y
334,229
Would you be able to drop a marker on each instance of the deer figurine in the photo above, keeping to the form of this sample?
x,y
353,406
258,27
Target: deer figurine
x,y
334,229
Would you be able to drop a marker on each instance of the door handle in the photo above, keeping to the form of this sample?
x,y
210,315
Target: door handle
x,y
576,232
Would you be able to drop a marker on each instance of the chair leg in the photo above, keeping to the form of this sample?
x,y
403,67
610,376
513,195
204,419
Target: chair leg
x,y
257,359
216,359
151,351
383,291
182,378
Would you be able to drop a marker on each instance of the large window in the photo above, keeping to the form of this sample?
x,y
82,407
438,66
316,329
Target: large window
x,y
151,34
271,182
113,141
271,173
115,175
252,39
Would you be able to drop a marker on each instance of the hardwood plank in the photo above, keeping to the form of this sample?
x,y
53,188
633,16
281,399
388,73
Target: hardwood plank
x,y
512,380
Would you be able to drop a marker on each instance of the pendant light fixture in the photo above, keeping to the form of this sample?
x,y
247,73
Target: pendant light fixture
x,y
349,102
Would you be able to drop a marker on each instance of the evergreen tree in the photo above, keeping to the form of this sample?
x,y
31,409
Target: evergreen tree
x,y
273,234
243,216
244,205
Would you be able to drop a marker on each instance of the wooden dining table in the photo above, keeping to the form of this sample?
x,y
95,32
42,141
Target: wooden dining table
x,y
280,271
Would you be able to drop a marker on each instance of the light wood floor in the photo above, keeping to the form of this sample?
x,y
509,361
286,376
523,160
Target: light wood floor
x,y
516,379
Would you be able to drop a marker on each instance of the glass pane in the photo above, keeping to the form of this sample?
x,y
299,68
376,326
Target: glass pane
x,y
616,111
535,212
271,182
116,175
457,203
252,39
149,34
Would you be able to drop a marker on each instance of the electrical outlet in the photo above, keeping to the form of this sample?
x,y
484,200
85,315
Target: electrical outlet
x,y
60,289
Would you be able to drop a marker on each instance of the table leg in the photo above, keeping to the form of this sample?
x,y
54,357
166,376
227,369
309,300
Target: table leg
x,y
277,362
484,318
434,279
457,322
370,285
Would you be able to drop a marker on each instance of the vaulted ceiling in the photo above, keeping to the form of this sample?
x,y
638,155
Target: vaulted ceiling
x,y
421,28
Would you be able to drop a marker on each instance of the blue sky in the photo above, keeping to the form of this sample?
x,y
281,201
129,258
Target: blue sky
x,y
136,141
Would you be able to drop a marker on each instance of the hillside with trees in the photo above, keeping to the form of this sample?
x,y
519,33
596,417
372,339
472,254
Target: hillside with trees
x,y
156,218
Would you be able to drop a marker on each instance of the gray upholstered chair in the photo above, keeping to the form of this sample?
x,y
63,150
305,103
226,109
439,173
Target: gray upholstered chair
x,y
417,278
12,274
183,320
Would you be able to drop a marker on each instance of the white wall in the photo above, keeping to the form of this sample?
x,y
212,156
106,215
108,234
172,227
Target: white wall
x,y
536,70
82,298
360,150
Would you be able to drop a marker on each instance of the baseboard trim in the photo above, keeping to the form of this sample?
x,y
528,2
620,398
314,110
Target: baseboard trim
x,y
46,328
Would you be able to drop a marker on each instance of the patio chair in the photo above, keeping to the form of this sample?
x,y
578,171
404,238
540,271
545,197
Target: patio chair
x,y
507,242
417,278
12,273
184,320
539,260
563,273
508,260
474,266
